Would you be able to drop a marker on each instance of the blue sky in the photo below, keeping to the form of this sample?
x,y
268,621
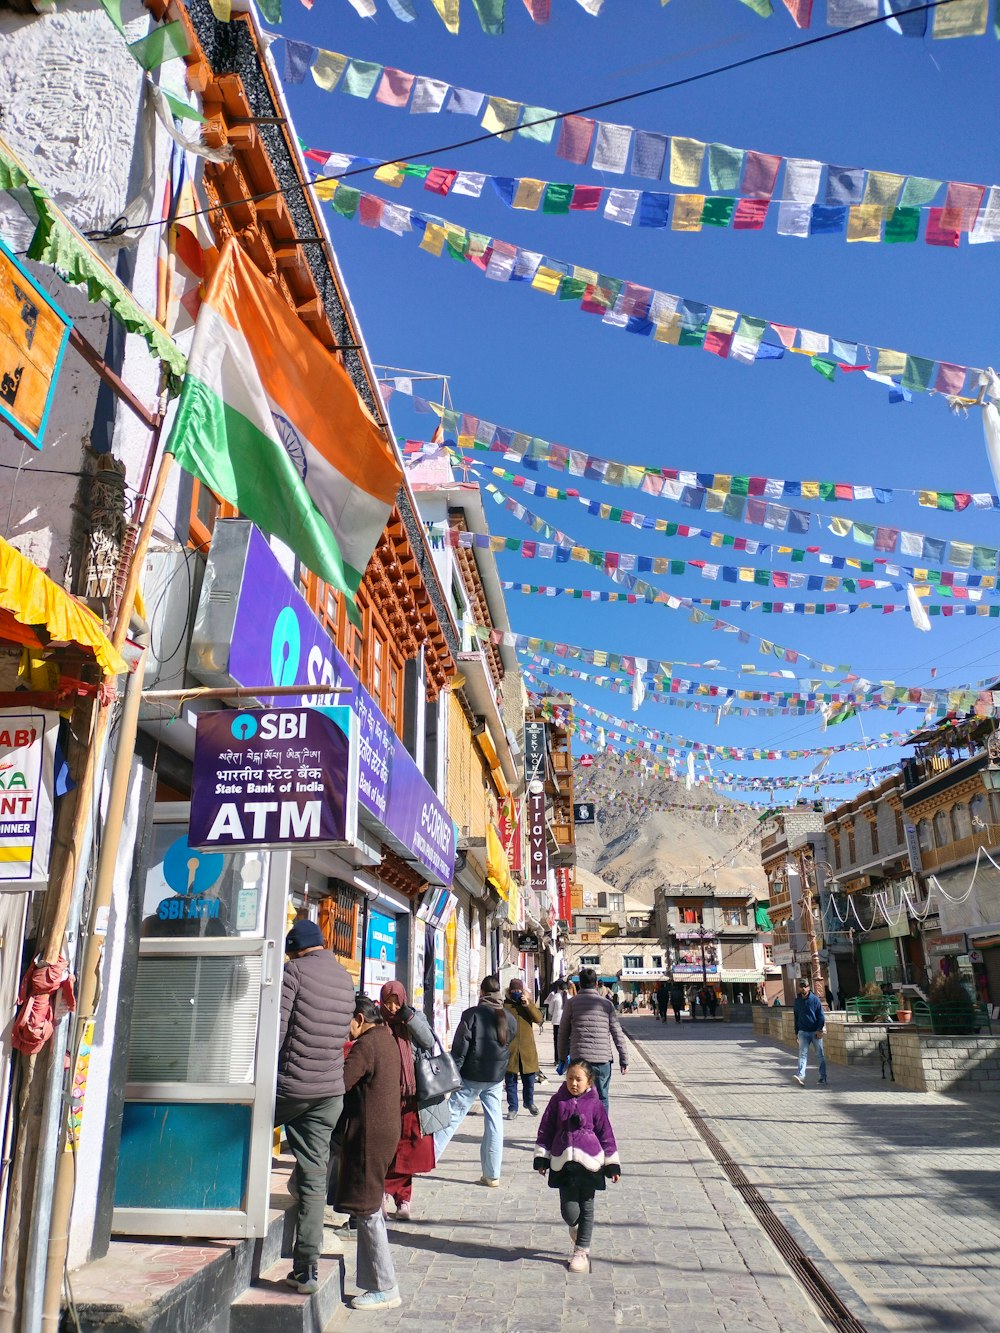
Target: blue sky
x,y
527,361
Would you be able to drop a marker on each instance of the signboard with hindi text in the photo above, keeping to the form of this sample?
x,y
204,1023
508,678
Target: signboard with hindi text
x,y
33,335
277,777
27,764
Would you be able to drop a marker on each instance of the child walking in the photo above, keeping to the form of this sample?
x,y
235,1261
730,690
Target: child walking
x,y
576,1146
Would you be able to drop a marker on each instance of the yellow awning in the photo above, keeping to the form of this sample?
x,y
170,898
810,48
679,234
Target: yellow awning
x,y
33,599
497,865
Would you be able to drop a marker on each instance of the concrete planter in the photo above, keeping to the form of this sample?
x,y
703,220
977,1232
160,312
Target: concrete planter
x,y
923,1062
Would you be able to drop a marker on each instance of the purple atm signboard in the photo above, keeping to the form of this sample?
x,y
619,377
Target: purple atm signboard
x,y
280,778
273,636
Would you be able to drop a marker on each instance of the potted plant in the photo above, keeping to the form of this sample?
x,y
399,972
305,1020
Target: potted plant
x,y
876,1008
952,1008
904,1013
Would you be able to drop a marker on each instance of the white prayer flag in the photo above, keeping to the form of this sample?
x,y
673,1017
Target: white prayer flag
x,y
613,145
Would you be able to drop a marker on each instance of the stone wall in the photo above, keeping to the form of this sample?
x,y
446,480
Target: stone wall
x,y
922,1062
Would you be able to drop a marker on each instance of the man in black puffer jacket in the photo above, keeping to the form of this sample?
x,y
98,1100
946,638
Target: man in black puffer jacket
x,y
317,1005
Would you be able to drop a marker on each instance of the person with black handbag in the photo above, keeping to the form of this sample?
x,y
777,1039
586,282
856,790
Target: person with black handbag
x,y
481,1049
415,1153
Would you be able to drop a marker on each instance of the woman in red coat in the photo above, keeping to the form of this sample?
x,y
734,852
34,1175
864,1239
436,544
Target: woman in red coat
x,y
415,1152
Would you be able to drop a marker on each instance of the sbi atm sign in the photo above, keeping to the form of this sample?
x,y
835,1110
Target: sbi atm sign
x,y
283,777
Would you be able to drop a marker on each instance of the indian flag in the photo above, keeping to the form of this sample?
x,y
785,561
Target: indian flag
x,y
270,421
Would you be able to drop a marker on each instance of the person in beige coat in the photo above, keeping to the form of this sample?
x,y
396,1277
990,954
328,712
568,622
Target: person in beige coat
x,y
523,1058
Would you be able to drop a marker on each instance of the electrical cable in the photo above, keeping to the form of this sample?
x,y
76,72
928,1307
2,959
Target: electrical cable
x,y
121,225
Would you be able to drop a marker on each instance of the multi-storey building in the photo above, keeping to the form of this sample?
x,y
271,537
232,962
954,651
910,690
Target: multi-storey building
x,y
793,853
719,937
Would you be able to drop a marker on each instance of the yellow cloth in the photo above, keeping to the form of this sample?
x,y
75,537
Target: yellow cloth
x,y
33,599
685,162
688,209
864,222
327,69
497,864
890,362
529,193
882,188
501,114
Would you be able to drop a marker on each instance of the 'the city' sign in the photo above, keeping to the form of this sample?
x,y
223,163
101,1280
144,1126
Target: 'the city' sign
x,y
284,777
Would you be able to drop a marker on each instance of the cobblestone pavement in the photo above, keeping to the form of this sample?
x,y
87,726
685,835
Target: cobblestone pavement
x,y
894,1194
675,1248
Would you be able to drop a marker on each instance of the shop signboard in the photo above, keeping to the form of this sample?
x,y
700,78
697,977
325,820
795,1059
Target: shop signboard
x,y
584,812
913,848
783,955
380,952
253,627
694,969
534,750
281,777
33,336
27,764
528,942
538,854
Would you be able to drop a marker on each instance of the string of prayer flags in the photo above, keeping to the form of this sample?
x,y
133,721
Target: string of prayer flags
x,y
856,221
670,320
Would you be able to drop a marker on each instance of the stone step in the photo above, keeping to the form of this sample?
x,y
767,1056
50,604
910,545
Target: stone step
x,y
269,1306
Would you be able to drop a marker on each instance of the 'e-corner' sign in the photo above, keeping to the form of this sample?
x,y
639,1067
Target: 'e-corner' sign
x,y
284,777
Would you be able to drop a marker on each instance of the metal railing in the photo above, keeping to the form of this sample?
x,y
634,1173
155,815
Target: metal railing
x,y
954,1020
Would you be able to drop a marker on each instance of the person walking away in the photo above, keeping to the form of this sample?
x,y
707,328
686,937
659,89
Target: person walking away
x,y
523,1055
415,1151
576,1146
317,1002
662,1000
589,1027
481,1049
371,1132
693,1002
810,1020
712,999
554,1005
677,1000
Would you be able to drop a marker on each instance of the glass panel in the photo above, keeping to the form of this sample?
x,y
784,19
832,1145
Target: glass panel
x,y
192,1156
194,1020
192,895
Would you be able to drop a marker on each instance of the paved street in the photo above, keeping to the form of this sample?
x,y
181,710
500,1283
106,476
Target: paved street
x,y
675,1248
895,1195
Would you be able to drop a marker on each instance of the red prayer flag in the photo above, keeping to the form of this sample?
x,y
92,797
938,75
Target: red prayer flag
x,y
843,490
440,180
937,233
586,198
575,135
756,485
801,12
718,343
370,210
961,205
750,214
760,171
538,9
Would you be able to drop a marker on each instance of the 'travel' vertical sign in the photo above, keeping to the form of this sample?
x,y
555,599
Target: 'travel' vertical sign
x,y
33,334
27,761
538,856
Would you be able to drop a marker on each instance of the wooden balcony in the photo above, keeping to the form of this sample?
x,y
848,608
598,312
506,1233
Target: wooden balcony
x,y
962,849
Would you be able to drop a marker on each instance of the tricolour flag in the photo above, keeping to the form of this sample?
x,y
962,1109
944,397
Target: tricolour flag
x,y
271,422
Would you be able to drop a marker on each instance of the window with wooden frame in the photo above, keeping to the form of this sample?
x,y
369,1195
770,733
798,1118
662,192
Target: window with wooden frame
x,y
206,509
331,611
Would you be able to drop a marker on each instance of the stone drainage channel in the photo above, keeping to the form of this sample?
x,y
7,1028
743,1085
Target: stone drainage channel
x,y
830,1305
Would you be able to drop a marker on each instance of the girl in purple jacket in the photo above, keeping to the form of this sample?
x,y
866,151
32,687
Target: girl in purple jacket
x,y
576,1146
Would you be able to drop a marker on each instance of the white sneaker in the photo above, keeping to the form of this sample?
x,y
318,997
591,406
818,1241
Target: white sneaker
x,y
580,1262
799,1080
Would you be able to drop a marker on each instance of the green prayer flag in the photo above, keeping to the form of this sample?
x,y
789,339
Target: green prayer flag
x,y
718,211
166,42
678,567
418,170
902,226
616,515
184,112
762,7
828,369
271,9
345,201
724,167
918,372
739,485
113,9
693,337
946,500
733,506
762,576
798,557
827,490
457,244
540,133
556,197
571,289
984,558
918,190
512,544
490,15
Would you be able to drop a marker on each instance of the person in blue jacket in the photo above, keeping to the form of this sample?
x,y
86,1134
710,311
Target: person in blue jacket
x,y
810,1020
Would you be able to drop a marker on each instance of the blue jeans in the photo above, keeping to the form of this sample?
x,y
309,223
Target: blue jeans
x,y
491,1148
602,1081
527,1087
805,1040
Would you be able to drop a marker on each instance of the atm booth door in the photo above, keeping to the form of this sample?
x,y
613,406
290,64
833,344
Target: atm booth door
x,y
195,1157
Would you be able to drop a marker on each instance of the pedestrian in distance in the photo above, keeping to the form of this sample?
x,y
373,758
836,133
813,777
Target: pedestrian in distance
x,y
481,1049
370,1132
588,1029
554,1007
522,1060
415,1152
662,999
677,1000
693,1002
317,1003
810,1020
576,1147
709,1002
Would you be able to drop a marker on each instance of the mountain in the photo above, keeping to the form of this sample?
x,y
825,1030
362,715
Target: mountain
x,y
651,831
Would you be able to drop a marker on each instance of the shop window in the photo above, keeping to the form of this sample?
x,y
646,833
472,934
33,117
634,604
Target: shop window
x,y
656,960
616,902
338,915
873,830
734,916
851,853
633,960
206,509
602,901
590,960
942,829
768,953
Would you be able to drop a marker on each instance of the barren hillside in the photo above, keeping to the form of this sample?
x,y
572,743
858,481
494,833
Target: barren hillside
x,y
651,832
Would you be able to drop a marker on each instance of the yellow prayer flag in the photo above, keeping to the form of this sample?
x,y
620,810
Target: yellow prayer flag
x,y
448,10
841,527
722,321
580,553
882,188
469,442
669,331
660,525
920,573
830,583
961,554
587,275
326,189
605,511
890,362
391,174
864,222
685,162
434,238
529,193
660,563
715,500
500,114
716,539
600,657
222,9
853,561
552,492
688,209
810,490
327,68
745,573
497,543
961,18
546,280
929,499
633,477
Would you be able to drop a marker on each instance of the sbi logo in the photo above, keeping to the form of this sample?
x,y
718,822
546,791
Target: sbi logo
x,y
244,726
286,648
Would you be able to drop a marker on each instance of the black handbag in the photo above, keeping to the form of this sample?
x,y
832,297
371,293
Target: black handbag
x,y
436,1074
